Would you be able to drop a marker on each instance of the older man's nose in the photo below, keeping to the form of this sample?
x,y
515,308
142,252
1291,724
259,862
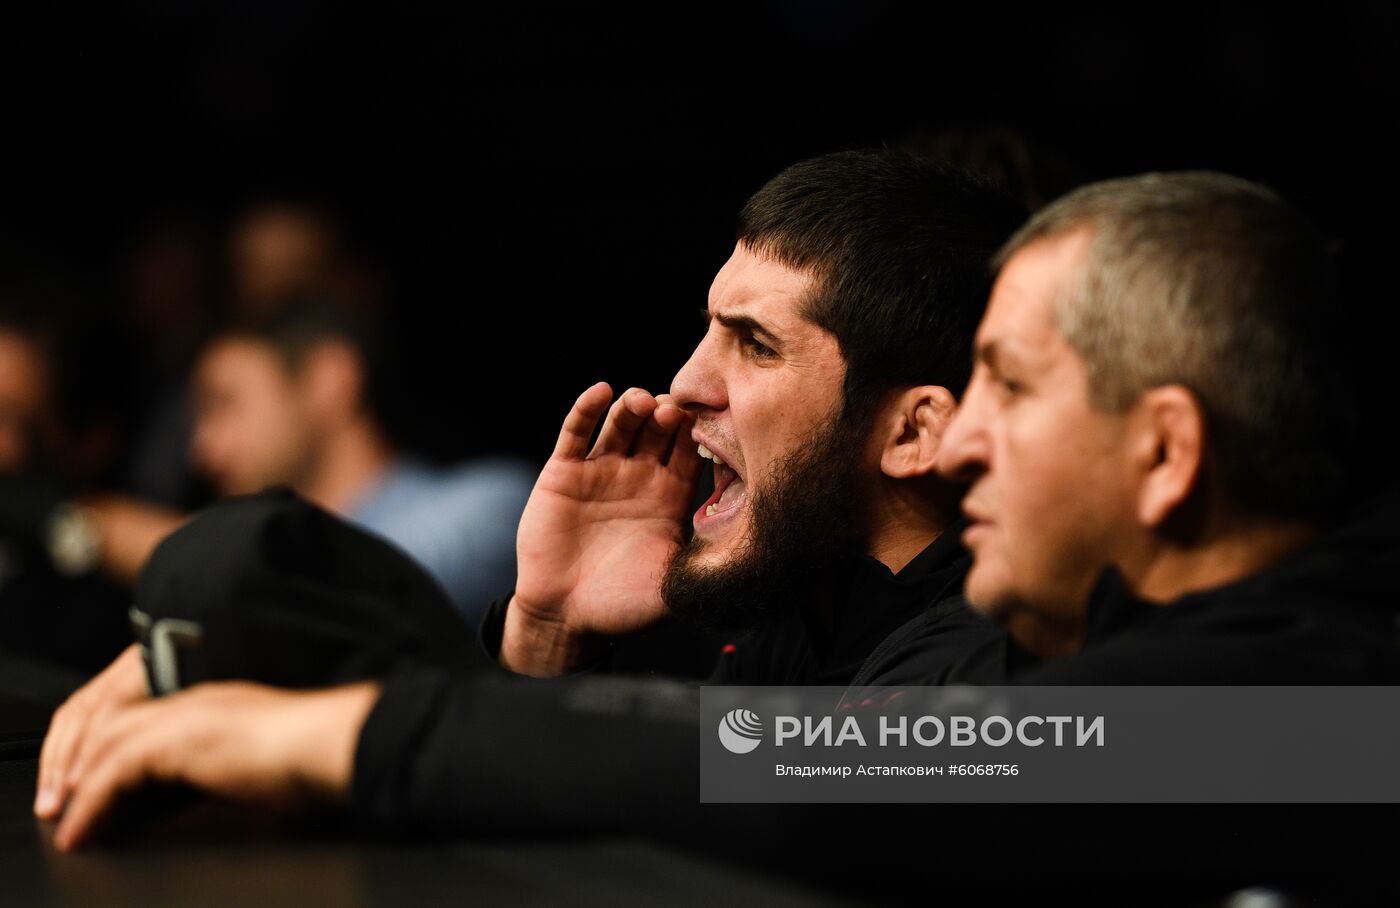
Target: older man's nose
x,y
965,451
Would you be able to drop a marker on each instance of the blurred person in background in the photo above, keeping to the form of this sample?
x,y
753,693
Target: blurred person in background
x,y
181,281
168,304
282,251
296,400
52,606
24,396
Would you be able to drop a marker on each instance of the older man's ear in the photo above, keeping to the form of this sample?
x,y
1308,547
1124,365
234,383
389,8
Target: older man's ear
x,y
1169,450
911,427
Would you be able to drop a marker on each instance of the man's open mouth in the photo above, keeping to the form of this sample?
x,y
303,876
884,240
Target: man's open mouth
x,y
729,492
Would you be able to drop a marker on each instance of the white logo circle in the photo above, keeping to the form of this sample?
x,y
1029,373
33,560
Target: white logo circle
x,y
740,731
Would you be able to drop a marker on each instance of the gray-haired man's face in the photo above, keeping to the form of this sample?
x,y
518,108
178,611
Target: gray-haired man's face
x,y
1051,477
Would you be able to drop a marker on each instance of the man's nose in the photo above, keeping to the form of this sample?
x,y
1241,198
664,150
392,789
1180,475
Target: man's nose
x,y
699,385
965,452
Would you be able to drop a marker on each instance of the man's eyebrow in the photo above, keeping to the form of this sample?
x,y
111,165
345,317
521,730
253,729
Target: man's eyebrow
x,y
746,323
986,352
999,355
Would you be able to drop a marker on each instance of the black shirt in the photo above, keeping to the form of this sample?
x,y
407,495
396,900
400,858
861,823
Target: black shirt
x,y
1327,614
910,627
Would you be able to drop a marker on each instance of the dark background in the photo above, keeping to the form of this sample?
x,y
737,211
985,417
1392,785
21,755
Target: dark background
x,y
551,190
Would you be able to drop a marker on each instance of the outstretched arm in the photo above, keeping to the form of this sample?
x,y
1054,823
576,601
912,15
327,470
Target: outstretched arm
x,y
233,738
427,749
130,530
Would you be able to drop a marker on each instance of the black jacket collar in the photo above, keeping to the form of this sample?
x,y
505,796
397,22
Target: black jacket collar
x,y
871,601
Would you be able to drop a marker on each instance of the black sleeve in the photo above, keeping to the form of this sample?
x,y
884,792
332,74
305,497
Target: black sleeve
x,y
498,753
1277,648
492,628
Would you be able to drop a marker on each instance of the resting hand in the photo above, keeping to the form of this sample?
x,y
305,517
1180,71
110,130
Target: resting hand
x,y
599,529
230,738
120,684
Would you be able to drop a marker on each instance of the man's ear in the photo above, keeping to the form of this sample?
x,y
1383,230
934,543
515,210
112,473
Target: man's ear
x,y
333,378
909,430
1169,450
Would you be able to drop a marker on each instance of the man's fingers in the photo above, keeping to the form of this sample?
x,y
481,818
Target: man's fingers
x,y
106,732
121,682
658,433
118,771
582,418
123,748
56,756
627,415
685,454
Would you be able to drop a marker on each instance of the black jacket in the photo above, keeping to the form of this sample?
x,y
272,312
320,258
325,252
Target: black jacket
x,y
1327,614
888,628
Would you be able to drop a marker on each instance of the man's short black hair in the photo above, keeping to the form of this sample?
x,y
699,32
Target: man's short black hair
x,y
900,249
306,322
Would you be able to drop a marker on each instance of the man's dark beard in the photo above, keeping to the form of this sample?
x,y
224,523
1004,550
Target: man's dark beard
x,y
814,507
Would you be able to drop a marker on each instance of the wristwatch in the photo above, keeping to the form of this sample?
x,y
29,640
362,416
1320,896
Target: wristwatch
x,y
72,539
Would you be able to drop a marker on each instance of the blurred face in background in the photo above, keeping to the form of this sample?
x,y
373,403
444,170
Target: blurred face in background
x,y
23,399
253,427
277,252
